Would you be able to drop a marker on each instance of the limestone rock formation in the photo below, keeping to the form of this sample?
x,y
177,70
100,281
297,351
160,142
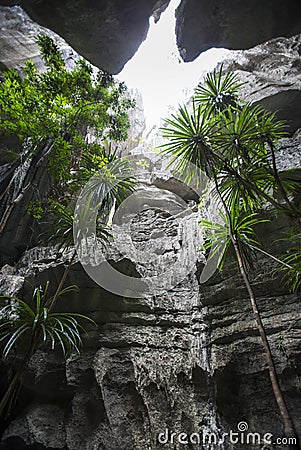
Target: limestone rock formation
x,y
107,33
189,360
137,120
271,73
233,24
17,40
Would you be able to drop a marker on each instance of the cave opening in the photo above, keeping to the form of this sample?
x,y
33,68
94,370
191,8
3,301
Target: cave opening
x,y
158,71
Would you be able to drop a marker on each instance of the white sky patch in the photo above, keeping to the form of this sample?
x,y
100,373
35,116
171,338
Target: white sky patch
x,y
158,71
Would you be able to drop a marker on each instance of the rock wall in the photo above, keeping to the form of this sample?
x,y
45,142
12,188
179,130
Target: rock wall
x,y
189,360
233,24
17,40
108,32
272,76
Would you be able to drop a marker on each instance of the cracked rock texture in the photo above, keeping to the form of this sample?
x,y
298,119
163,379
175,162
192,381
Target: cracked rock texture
x,y
188,360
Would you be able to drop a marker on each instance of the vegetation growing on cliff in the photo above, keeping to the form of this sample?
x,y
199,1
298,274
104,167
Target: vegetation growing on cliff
x,y
67,120
235,144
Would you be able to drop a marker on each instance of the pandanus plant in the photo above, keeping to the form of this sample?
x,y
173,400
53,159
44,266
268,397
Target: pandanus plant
x,y
235,144
26,325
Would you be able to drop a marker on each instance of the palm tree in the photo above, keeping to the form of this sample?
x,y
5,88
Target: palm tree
x,y
30,325
234,143
237,232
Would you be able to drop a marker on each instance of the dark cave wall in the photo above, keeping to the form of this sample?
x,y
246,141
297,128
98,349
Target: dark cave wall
x,y
233,24
108,32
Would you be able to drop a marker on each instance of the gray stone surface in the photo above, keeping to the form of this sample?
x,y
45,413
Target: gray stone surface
x,y
202,25
272,76
108,33
105,32
137,120
189,360
17,40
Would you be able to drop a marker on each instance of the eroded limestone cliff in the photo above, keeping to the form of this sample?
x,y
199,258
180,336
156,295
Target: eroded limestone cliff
x,y
108,33
189,360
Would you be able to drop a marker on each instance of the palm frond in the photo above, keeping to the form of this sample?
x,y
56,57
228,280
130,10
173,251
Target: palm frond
x,y
241,225
237,194
40,324
269,128
189,136
292,257
219,91
237,137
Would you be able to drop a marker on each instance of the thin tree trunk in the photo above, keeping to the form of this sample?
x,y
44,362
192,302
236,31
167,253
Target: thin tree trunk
x,y
61,284
13,386
289,429
277,178
11,389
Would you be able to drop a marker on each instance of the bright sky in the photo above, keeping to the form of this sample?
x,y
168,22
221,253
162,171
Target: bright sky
x,y
158,71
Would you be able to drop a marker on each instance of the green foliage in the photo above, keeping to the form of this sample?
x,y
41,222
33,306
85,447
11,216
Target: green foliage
x,y
237,135
60,160
50,52
238,224
189,136
230,146
235,144
22,323
218,92
292,257
62,218
97,159
55,109
35,209
110,178
61,105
